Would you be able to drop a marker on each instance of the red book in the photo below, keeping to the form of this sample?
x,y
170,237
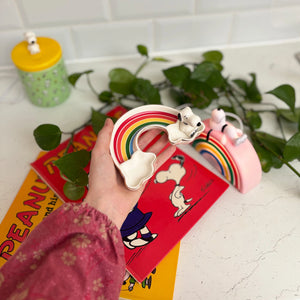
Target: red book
x,y
175,198
84,139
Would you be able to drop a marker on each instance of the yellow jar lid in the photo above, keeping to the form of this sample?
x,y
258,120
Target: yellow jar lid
x,y
50,53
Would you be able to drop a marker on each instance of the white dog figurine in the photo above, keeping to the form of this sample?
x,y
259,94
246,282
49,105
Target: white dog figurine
x,y
218,122
187,127
33,47
189,123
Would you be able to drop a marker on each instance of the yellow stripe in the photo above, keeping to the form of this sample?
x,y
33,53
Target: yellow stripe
x,y
135,125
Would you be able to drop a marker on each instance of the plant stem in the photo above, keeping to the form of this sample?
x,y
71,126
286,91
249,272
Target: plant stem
x,y
141,67
69,143
162,85
90,85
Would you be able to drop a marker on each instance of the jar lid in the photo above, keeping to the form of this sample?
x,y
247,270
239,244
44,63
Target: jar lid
x,y
50,53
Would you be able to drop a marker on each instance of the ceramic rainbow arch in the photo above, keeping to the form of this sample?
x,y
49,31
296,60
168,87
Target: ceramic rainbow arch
x,y
240,164
135,165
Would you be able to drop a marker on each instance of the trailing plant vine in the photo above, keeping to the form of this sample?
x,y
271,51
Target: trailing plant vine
x,y
200,85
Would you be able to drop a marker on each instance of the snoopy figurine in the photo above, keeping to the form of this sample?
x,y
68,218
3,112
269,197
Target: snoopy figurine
x,y
218,122
187,127
175,172
33,47
189,123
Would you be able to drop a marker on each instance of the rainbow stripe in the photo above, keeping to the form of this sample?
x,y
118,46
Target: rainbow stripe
x,y
131,126
220,155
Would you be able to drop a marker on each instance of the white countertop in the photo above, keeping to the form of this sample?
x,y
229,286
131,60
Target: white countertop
x,y
247,246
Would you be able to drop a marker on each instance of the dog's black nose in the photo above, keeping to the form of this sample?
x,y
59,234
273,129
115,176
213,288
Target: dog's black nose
x,y
199,124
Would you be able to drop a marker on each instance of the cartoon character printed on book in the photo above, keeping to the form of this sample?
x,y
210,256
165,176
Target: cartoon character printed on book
x,y
230,132
145,283
134,231
175,172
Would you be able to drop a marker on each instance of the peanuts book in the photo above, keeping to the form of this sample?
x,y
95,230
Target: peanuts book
x,y
175,198
34,201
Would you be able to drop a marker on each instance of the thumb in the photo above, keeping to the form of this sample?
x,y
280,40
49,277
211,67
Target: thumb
x,y
103,139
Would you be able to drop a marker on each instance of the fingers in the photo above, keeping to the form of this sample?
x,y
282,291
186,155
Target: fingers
x,y
159,143
103,139
147,138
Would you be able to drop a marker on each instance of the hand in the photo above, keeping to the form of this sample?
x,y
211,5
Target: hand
x,y
107,191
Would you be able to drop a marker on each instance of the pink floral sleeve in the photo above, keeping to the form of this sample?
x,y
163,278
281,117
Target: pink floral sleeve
x,y
75,253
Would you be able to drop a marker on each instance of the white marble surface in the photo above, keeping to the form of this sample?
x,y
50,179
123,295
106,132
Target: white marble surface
x,y
246,246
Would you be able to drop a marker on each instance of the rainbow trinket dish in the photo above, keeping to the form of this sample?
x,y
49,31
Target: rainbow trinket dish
x,y
136,166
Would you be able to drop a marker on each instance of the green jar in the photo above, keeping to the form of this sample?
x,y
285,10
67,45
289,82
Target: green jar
x,y
43,74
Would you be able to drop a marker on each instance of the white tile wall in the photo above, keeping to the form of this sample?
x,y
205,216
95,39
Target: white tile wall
x,y
63,36
136,9
183,33
108,39
8,38
9,15
95,28
230,5
53,12
264,26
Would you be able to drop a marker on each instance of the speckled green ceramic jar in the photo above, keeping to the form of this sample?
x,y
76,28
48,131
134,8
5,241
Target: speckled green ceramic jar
x,y
47,88
43,74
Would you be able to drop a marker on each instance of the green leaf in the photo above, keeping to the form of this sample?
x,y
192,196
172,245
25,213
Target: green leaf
x,y
253,94
72,191
142,50
162,59
179,96
292,148
121,81
144,90
267,159
201,94
177,75
98,120
254,119
286,93
273,144
72,166
288,115
73,78
242,84
105,96
47,136
208,73
215,57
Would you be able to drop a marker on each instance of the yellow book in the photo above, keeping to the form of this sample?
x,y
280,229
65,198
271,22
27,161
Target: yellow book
x,y
159,285
34,201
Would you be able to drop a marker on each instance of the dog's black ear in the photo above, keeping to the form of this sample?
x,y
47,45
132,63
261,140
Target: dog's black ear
x,y
179,116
